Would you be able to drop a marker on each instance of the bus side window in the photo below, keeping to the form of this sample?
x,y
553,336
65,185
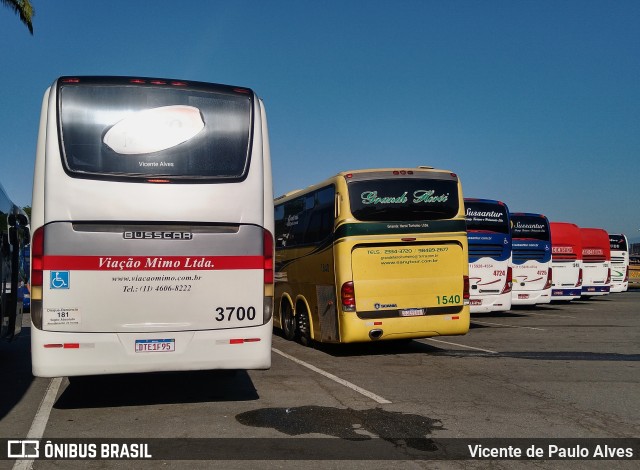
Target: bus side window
x,y
320,225
278,215
6,249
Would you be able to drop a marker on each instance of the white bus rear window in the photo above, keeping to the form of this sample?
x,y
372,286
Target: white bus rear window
x,y
141,132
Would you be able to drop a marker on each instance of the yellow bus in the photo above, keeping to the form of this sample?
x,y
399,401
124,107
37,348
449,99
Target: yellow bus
x,y
378,254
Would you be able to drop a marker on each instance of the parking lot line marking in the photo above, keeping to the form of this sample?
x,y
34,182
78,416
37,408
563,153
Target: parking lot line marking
x,y
508,326
462,345
335,378
36,431
550,315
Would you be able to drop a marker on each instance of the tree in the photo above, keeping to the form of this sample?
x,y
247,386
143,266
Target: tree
x,y
24,9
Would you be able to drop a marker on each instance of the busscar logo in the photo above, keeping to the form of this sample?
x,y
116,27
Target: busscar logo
x,y
157,235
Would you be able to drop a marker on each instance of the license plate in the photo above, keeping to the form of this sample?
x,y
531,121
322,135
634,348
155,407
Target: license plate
x,y
475,302
155,345
412,312
523,296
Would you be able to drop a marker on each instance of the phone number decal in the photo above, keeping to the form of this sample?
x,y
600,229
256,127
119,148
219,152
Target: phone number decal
x,y
167,288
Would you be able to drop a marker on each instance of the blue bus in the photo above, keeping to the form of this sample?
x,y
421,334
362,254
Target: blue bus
x,y
489,237
531,258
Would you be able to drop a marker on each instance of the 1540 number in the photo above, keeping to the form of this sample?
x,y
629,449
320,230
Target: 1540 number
x,y
448,299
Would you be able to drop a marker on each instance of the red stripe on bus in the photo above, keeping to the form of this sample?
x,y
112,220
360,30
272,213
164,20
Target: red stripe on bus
x,y
151,263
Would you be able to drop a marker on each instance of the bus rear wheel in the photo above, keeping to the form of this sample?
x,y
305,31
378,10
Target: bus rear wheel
x,y
304,327
288,321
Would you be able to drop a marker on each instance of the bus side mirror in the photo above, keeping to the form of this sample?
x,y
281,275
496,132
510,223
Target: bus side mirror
x,y
23,220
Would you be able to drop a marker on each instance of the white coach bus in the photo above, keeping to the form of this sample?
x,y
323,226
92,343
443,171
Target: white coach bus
x,y
619,262
152,245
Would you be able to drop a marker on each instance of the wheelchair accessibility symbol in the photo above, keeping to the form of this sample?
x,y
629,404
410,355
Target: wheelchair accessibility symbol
x,y
59,280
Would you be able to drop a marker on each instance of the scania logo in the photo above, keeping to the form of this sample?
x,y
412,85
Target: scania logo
x,y
157,235
378,306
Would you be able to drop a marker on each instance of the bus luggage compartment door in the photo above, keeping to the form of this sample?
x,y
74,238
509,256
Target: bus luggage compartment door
x,y
406,277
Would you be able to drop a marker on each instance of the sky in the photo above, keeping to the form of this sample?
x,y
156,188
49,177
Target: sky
x,y
535,103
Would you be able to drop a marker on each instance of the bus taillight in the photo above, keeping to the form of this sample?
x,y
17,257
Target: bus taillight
x,y
549,282
37,268
626,275
267,255
509,281
608,281
348,296
466,293
579,283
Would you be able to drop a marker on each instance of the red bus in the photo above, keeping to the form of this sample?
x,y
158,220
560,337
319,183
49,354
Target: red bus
x,y
566,261
596,261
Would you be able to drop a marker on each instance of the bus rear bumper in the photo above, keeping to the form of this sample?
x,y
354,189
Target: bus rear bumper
x,y
619,286
566,294
57,354
588,291
356,330
490,303
519,297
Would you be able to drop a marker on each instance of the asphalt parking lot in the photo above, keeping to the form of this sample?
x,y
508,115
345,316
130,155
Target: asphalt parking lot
x,y
564,373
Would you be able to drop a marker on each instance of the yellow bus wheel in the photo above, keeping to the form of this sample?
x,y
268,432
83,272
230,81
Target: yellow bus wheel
x,y
304,327
287,321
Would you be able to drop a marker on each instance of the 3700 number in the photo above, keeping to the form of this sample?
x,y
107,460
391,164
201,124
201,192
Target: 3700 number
x,y
235,313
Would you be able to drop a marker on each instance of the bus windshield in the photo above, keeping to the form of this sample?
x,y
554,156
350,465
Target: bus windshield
x,y
618,242
532,227
195,133
487,217
406,199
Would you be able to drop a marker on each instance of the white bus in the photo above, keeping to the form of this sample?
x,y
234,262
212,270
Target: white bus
x,y
619,262
490,271
152,245
566,261
596,262
531,257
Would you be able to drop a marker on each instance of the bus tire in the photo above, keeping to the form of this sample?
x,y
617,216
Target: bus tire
x,y
303,327
288,321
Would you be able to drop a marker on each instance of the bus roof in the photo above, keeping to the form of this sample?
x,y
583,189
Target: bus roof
x,y
527,214
596,238
566,239
149,81
374,173
486,201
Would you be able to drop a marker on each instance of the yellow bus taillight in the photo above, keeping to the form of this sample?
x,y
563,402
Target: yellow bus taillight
x,y
466,294
348,297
